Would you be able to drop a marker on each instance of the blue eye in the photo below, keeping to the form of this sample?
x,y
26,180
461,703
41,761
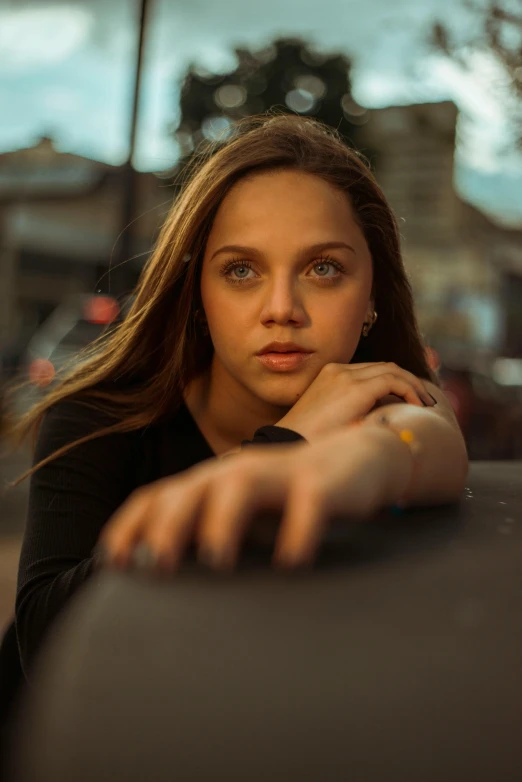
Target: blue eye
x,y
238,263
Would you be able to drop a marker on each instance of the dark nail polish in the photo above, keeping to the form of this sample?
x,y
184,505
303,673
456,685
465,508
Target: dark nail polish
x,y
214,558
144,558
293,563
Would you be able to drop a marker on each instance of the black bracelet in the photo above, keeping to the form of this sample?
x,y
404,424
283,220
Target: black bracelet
x,y
273,434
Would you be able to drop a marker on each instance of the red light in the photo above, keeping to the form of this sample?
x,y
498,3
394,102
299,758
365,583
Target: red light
x,y
101,309
41,372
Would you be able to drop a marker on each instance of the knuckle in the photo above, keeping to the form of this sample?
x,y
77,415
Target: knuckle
x,y
140,495
331,368
243,469
160,531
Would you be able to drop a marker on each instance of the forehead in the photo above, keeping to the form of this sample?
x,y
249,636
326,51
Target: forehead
x,y
283,199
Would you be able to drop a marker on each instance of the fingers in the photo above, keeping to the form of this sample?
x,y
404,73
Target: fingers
x,y
160,515
177,514
388,383
302,529
390,371
216,509
213,505
231,505
123,530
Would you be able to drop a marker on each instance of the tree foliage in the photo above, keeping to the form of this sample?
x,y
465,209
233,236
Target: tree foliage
x,y
497,33
287,74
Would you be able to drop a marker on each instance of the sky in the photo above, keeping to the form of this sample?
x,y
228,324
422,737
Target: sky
x,y
66,70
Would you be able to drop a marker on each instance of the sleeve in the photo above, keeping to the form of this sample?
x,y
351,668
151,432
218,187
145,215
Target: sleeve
x,y
273,434
70,499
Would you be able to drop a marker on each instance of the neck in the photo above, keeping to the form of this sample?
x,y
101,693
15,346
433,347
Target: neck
x,y
225,412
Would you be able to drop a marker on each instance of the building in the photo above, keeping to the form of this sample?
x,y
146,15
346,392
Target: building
x,y
456,258
60,221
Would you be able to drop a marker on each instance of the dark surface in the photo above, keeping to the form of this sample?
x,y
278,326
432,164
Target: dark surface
x,y
399,657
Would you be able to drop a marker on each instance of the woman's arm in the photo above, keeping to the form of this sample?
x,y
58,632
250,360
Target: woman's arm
x,y
441,466
70,499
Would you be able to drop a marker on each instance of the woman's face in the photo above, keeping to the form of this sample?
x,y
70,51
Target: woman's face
x,y
281,289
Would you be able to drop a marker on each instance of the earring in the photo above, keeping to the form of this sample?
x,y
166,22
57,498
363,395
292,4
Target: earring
x,y
367,326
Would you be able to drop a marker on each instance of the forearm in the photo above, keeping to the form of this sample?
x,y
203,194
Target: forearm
x,y
441,463
41,600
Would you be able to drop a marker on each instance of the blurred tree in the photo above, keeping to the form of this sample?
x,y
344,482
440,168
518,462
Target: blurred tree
x,y
288,74
498,34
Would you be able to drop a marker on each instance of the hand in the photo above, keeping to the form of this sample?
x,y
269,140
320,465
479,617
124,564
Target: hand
x,y
344,393
215,501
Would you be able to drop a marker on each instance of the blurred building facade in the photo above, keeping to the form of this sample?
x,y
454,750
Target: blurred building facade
x,y
466,272
60,217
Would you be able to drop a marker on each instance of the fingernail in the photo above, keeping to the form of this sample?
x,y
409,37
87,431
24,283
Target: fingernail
x,y
291,562
143,557
167,564
434,400
216,559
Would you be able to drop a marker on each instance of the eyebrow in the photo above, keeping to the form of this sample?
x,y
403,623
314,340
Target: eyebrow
x,y
238,248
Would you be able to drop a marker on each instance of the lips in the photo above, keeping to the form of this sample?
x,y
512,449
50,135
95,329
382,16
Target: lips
x,y
283,347
284,362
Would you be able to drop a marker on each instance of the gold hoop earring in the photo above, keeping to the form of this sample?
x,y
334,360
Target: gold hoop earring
x,y
367,326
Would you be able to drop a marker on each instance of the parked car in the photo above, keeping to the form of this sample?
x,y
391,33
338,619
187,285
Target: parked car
x,y
57,344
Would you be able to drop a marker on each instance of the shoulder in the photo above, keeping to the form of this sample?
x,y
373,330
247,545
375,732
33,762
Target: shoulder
x,y
70,420
72,450
79,413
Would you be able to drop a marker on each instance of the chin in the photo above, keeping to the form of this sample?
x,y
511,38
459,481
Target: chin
x,y
286,397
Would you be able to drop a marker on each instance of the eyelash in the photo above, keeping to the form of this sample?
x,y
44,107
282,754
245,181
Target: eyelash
x,y
235,262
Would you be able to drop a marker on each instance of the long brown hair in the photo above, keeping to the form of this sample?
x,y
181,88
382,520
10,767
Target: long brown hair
x,y
139,371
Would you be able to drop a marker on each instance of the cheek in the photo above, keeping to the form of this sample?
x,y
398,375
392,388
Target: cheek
x,y
227,316
228,322
338,317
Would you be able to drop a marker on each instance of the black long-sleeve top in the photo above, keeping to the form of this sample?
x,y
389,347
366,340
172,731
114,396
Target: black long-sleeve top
x,y
72,497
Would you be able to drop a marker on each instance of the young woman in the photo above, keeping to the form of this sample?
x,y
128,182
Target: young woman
x,y
281,241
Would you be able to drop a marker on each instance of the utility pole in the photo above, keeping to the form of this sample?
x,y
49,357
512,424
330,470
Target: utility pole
x,y
126,273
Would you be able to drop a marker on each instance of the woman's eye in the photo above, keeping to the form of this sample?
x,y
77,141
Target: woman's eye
x,y
228,268
242,270
229,271
324,264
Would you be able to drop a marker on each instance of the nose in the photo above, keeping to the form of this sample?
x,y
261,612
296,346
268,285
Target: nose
x,y
282,304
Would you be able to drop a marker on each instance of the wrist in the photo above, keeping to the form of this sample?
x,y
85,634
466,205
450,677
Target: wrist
x,y
286,423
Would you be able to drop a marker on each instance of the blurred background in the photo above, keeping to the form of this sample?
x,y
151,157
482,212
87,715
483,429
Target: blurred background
x,y
103,103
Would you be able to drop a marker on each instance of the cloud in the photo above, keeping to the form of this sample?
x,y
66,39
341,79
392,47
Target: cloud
x,y
41,36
